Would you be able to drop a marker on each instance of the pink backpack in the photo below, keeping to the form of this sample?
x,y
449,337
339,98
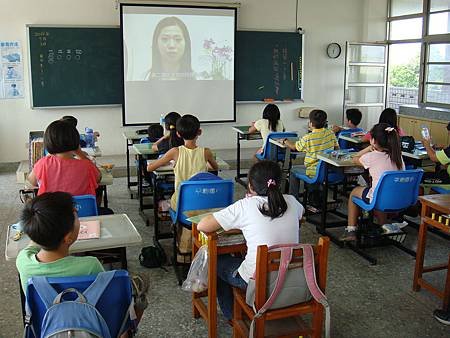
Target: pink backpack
x,y
289,287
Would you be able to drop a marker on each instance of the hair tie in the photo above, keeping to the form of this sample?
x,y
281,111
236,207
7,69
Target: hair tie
x,y
171,127
271,182
389,129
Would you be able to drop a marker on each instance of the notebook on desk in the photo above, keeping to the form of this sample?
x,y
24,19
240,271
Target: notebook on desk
x,y
89,230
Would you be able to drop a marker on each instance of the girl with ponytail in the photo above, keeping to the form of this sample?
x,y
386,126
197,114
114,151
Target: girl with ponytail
x,y
265,216
170,139
383,154
269,123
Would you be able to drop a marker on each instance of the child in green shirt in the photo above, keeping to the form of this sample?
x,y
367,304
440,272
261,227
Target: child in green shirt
x,y
52,224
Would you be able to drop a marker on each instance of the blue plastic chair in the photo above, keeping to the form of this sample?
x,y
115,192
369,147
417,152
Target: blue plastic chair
x,y
271,151
440,190
112,305
86,205
343,144
392,186
202,191
395,192
334,178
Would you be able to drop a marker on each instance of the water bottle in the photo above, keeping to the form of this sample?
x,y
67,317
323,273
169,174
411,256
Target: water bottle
x,y
425,132
161,120
89,137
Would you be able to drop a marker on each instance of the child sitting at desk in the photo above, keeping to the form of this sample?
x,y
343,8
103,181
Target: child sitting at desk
x,y
189,158
66,168
388,116
383,154
353,117
73,121
319,140
442,157
154,131
51,222
270,122
171,139
265,216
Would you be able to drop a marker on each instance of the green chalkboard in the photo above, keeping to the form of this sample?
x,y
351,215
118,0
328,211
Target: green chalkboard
x,y
75,66
268,66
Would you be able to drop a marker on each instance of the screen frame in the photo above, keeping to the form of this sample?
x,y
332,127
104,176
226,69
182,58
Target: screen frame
x,y
122,5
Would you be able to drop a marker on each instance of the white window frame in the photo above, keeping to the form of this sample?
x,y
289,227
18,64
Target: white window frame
x,y
425,40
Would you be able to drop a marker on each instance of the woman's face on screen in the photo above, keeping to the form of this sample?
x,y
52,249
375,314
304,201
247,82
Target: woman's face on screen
x,y
171,44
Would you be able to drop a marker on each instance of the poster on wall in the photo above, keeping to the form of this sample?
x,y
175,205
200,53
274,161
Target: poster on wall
x,y
11,71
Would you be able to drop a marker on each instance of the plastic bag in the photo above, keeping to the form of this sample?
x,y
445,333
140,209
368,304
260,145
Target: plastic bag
x,y
197,278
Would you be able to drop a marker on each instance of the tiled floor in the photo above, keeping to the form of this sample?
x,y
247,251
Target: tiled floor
x,y
366,301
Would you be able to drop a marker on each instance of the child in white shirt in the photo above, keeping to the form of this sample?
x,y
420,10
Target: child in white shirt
x,y
266,217
270,122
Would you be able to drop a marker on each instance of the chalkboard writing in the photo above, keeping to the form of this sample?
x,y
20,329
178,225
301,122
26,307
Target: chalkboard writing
x,y
75,66
268,66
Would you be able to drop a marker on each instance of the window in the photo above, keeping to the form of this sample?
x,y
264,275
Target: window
x,y
419,33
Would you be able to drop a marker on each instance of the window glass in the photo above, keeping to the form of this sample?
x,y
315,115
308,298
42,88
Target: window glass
x,y
439,5
368,54
405,7
439,73
366,74
439,23
406,29
404,73
439,52
437,93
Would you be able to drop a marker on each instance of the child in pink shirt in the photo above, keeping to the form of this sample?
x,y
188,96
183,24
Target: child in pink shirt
x,y
67,168
383,154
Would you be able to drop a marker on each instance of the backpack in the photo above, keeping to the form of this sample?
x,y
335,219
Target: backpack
x,y
407,143
77,318
288,287
152,257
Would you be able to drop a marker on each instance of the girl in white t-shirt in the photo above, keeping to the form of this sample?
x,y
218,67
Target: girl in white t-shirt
x,y
270,122
265,217
383,154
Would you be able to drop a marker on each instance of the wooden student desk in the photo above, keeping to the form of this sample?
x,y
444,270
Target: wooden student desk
x,y
438,204
208,311
242,134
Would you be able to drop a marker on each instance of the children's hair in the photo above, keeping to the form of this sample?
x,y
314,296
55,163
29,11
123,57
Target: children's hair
x,y
60,137
386,137
70,119
353,115
264,178
448,126
48,218
389,116
170,121
155,131
318,118
188,127
272,113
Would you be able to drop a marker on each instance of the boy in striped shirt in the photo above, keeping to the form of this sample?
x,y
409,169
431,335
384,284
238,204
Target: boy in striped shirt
x,y
317,141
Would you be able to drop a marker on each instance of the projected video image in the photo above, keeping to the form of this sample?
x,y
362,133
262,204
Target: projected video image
x,y
178,47
178,59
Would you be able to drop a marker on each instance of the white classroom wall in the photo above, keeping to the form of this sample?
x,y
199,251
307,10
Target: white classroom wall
x,y
324,21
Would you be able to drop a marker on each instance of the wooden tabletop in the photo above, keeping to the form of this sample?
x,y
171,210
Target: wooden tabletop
x,y
439,202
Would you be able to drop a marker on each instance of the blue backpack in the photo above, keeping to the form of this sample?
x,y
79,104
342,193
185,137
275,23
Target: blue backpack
x,y
71,318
